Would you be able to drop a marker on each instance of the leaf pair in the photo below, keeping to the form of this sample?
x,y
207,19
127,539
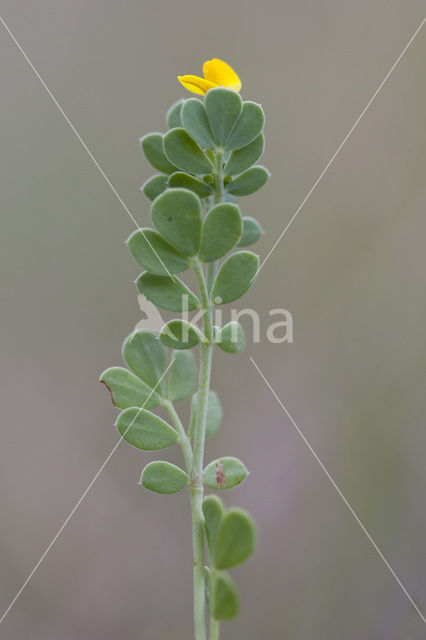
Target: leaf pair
x,y
148,387
231,539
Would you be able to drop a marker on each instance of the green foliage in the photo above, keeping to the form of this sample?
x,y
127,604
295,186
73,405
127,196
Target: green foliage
x,y
152,146
224,473
196,123
182,376
242,159
224,598
154,186
236,539
167,293
213,511
163,477
146,356
222,229
214,414
252,231
235,277
127,390
177,215
186,181
206,159
179,334
223,108
144,430
231,338
249,125
185,153
154,254
248,182
173,117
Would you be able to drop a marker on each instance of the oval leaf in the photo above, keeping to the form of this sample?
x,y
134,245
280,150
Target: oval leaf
x,y
213,511
235,277
152,146
182,376
167,293
223,108
231,338
249,125
248,182
179,334
154,186
214,414
252,231
222,229
224,473
196,123
146,357
154,254
242,159
185,153
163,477
186,181
144,430
224,598
236,539
177,215
173,117
127,390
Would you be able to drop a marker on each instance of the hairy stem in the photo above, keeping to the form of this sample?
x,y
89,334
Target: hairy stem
x,y
197,489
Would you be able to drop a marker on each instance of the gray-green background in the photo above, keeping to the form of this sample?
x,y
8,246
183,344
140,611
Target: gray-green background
x,y
351,269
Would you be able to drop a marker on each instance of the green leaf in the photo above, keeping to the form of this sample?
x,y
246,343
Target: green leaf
x,y
173,116
182,376
154,186
224,473
214,414
154,254
196,123
146,357
231,338
252,231
222,229
144,430
185,153
177,215
225,601
223,108
152,146
242,159
127,390
179,334
181,179
235,277
163,477
249,125
166,293
213,511
248,182
236,539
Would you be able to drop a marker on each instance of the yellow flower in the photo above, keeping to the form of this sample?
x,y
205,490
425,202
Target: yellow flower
x,y
217,73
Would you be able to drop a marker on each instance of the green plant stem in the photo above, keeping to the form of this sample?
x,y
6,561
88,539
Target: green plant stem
x,y
196,488
182,437
214,629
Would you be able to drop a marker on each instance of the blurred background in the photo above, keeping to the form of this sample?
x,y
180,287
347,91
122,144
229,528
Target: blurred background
x,y
351,269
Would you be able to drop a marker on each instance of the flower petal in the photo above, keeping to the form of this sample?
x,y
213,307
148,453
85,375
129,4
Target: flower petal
x,y
221,74
196,84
